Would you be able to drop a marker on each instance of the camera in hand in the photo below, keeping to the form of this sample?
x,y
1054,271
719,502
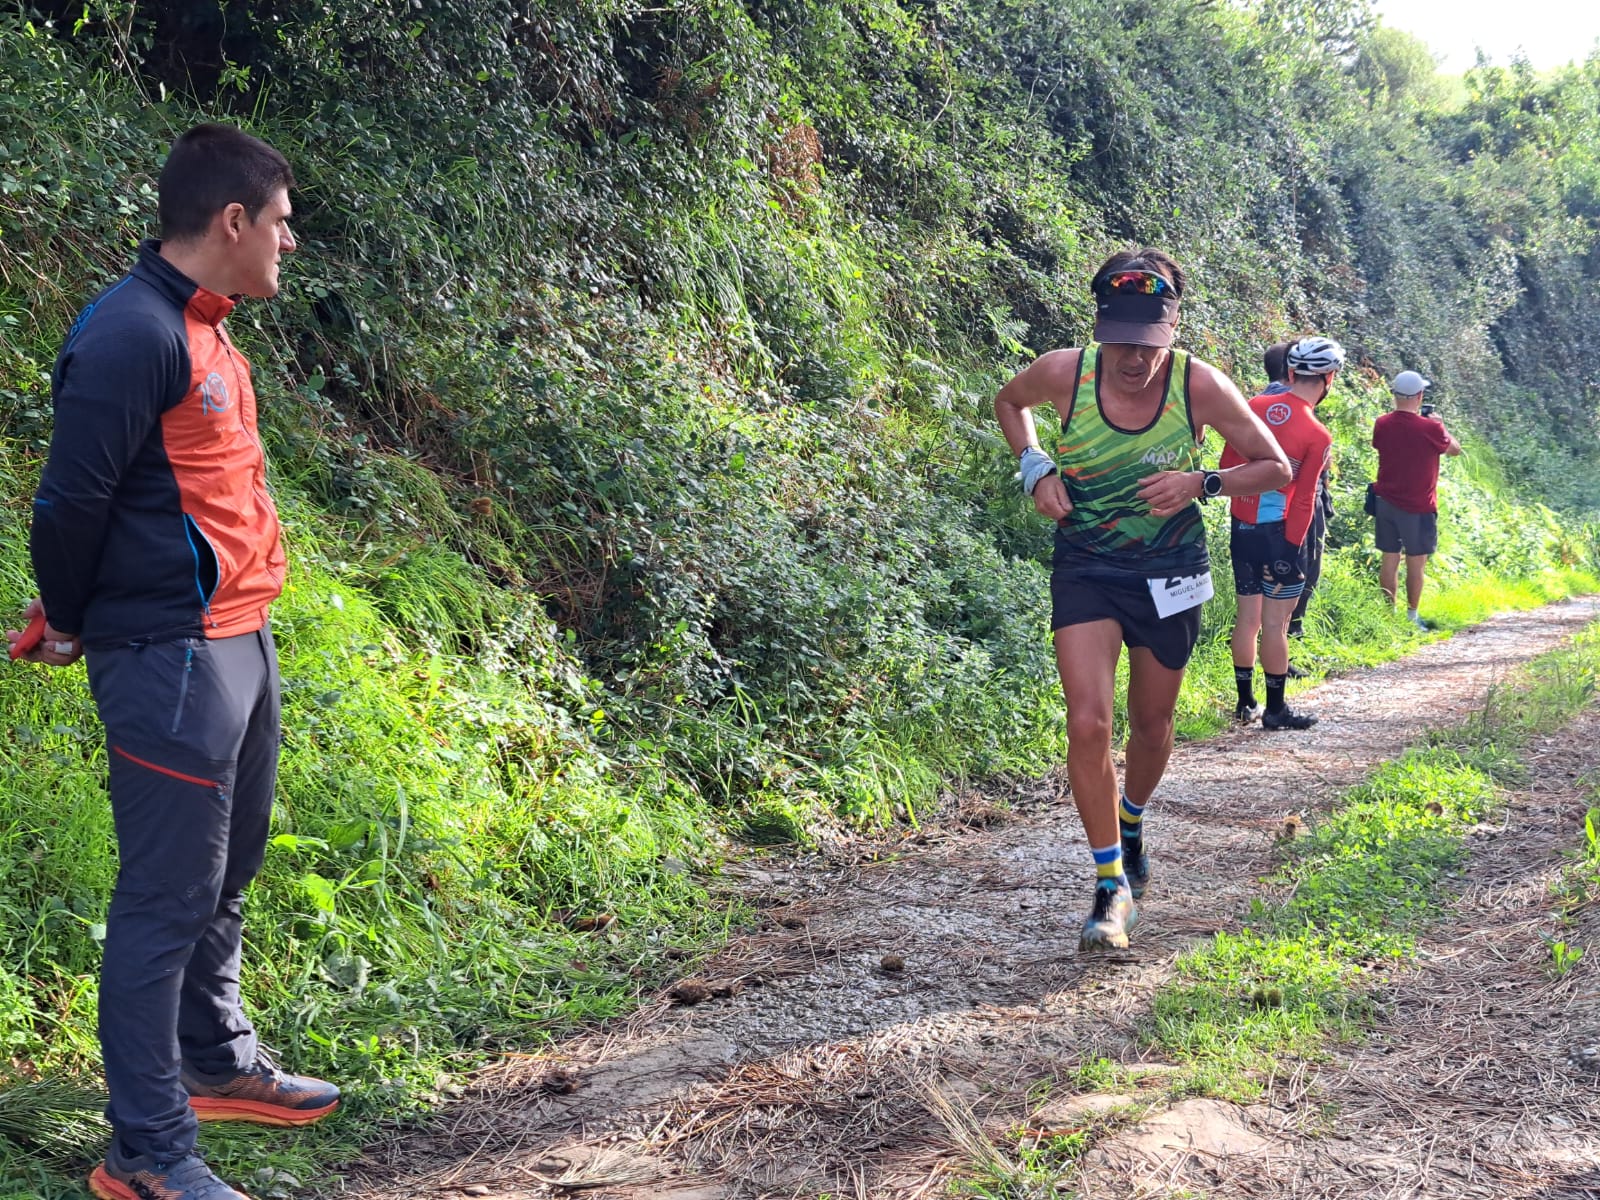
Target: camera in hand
x,y
1427,410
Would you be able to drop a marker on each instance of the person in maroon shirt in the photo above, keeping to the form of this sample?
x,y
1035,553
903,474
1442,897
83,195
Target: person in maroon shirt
x,y
1410,441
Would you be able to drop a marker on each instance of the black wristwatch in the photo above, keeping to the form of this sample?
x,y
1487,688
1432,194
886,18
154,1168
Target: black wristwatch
x,y
1210,484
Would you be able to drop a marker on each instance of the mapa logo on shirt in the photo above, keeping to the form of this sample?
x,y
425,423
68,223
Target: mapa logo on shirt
x,y
214,396
1278,413
1158,457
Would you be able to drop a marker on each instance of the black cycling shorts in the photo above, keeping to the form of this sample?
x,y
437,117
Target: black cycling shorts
x,y
1265,562
1077,600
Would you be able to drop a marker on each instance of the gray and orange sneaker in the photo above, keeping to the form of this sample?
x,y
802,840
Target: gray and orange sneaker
x,y
262,1094
1111,920
150,1177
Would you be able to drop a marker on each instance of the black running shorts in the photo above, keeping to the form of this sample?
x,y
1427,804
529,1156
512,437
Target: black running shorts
x,y
1077,600
1265,562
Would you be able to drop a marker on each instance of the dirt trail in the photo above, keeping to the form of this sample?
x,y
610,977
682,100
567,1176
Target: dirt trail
x,y
816,1067
1483,1080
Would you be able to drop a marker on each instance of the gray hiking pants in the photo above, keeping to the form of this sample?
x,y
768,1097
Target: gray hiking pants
x,y
192,733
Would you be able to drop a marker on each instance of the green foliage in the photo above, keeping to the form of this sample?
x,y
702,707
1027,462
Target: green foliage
x,y
1563,955
1243,999
1367,875
54,1119
1031,1169
1580,883
628,403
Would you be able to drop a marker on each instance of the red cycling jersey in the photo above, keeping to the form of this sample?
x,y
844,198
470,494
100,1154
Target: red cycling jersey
x,y
1307,442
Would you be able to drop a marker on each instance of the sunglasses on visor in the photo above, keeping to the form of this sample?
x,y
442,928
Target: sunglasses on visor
x,y
1135,283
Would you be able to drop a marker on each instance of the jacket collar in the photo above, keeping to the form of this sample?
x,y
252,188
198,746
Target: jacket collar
x,y
177,287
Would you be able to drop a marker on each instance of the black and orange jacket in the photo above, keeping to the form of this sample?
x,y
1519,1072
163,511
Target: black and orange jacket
x,y
152,520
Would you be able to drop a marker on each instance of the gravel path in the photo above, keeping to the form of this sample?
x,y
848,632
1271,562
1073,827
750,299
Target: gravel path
x,y
1482,1081
852,1045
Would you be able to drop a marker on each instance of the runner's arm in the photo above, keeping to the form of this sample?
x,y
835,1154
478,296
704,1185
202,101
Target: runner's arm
x,y
1217,404
1036,385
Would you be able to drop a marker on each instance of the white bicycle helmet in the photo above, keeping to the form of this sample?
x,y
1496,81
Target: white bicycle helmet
x,y
1315,356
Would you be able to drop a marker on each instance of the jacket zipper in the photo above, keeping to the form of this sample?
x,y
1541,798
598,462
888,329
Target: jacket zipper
x,y
233,365
189,523
259,482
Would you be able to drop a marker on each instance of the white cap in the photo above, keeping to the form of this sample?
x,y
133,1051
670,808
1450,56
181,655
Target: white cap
x,y
1409,383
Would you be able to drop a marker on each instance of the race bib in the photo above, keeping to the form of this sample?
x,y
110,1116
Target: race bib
x,y
1181,592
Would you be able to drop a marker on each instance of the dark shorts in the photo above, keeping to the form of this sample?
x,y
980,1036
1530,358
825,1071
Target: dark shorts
x,y
1401,531
1265,563
1077,600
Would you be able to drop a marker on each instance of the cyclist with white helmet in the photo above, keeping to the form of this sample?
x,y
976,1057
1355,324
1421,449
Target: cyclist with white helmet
x,y
1269,530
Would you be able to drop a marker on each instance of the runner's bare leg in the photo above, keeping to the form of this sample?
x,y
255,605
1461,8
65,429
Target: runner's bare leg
x,y
1086,656
1152,696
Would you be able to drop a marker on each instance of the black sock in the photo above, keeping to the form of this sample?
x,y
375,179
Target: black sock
x,y
1244,680
1275,685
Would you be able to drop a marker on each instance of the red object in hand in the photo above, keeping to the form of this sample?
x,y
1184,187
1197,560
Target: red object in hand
x,y
30,637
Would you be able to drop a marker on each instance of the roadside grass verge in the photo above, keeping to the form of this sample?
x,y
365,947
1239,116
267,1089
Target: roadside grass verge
x,y
1577,890
454,868
1355,887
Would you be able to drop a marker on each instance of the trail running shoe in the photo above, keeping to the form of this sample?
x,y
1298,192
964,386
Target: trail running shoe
x,y
1111,919
261,1095
1420,623
1294,672
1245,713
1287,718
146,1177
1136,866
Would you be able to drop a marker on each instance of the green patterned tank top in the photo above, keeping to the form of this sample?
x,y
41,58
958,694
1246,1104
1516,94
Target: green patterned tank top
x,y
1110,530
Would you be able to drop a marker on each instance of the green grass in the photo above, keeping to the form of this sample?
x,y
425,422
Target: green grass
x,y
1305,970
1580,884
1030,1168
1245,999
439,822
639,501
1026,1165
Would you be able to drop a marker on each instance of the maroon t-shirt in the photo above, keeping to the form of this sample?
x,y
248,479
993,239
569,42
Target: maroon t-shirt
x,y
1409,446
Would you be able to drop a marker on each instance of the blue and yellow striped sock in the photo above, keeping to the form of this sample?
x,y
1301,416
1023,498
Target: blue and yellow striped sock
x,y
1108,864
1131,817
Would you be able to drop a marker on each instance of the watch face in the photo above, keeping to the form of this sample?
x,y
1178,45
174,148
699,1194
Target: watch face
x,y
1213,484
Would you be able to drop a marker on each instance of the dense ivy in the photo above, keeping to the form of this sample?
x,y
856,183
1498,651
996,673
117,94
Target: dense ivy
x,y
685,317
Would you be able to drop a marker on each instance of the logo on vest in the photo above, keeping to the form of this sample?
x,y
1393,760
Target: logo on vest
x,y
1277,414
1159,458
214,396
